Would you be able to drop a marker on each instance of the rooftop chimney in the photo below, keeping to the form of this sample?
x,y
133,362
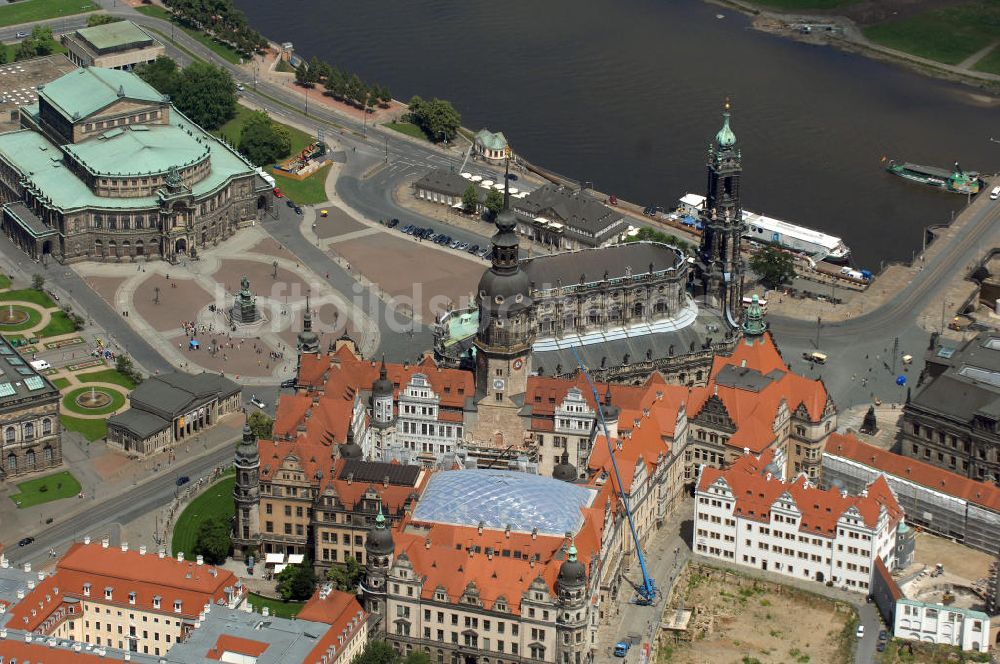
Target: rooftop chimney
x,y
142,549
124,547
86,539
162,553
105,542
200,559
180,556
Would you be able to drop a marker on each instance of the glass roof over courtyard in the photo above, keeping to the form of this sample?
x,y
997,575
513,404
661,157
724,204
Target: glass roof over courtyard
x,y
498,498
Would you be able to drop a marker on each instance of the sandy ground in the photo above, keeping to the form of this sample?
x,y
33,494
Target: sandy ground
x,y
338,223
167,315
271,247
288,287
757,623
958,560
236,360
106,287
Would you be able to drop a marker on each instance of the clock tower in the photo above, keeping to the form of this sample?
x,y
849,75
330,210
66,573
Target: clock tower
x,y
506,329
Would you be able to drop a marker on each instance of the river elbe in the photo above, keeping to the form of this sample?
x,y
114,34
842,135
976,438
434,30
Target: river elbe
x,y
627,94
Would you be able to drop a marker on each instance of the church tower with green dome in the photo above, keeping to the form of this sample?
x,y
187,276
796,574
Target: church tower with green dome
x,y
720,266
754,324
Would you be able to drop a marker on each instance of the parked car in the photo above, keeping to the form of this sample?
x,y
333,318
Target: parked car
x,y
482,253
26,541
621,648
298,210
462,246
407,228
21,35
512,176
860,633
393,223
182,480
239,86
277,193
650,211
883,635
257,402
287,383
290,203
473,249
881,646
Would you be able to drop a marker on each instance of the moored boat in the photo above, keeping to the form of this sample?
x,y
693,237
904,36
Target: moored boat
x,y
956,181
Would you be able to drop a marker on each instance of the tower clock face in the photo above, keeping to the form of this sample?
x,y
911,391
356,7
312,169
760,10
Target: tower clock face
x,y
498,384
518,363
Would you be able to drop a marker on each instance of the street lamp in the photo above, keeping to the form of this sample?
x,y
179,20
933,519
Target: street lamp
x,y
156,295
274,274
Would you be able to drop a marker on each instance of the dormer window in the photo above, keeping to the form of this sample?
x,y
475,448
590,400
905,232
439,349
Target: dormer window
x,y
107,592
86,590
156,601
131,597
177,606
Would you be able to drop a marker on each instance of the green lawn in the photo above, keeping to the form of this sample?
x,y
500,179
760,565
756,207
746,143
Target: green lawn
x,y
224,51
990,62
59,324
61,383
45,489
310,191
28,295
11,49
946,35
275,607
107,376
69,401
284,66
216,501
407,128
34,318
27,11
90,429
4,281
232,129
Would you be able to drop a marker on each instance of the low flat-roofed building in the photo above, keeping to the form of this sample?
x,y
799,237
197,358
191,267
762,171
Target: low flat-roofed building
x,y
938,500
118,45
170,408
567,218
19,83
30,433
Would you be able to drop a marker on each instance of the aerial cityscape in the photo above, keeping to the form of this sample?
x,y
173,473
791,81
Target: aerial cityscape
x,y
478,333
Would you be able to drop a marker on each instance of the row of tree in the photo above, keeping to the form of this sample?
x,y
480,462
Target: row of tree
x,y
40,42
222,20
341,85
653,235
203,92
493,202
380,652
437,118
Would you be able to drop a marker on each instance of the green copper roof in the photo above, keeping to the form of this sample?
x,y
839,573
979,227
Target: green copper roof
x,y
492,141
753,319
462,327
120,34
85,91
44,164
725,138
141,149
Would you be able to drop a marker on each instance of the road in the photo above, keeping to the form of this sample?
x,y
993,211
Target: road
x,y
96,519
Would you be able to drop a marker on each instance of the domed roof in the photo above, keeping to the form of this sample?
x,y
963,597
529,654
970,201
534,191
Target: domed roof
x,y
506,286
725,138
246,451
382,386
572,572
379,539
564,470
350,449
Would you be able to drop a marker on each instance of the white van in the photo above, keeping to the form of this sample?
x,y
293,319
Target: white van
x,y
995,193
40,365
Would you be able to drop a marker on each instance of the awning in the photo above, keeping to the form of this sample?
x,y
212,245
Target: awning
x,y
194,343
274,558
295,558
278,568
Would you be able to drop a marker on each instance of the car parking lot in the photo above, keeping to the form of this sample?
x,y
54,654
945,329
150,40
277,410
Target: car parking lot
x,y
428,234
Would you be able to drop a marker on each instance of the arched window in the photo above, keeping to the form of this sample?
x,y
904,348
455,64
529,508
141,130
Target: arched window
x,y
30,458
9,434
11,463
637,310
46,426
29,430
47,454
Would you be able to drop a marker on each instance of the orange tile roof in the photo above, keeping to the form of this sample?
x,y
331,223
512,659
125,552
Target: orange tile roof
x,y
441,553
226,643
755,493
40,652
147,575
342,612
918,472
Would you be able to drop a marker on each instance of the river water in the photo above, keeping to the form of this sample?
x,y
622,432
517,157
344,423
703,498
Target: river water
x,y
627,94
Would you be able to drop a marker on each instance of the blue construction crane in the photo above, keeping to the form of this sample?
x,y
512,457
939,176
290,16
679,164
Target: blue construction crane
x,y
646,593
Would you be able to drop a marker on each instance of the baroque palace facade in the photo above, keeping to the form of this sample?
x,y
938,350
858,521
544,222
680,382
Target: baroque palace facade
x,y
105,168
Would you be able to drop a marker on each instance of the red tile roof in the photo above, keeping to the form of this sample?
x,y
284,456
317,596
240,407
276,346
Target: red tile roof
x,y
147,575
755,492
38,651
342,612
918,472
226,643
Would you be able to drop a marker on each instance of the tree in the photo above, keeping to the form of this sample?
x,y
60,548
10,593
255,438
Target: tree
x,y
37,281
384,95
376,652
161,73
470,199
417,657
346,576
646,234
297,582
494,202
264,141
213,540
335,83
261,425
40,42
101,19
123,363
206,94
302,74
772,265
437,117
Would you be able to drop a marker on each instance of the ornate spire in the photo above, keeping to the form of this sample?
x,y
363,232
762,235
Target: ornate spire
x,y
753,319
572,551
725,138
307,319
380,519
